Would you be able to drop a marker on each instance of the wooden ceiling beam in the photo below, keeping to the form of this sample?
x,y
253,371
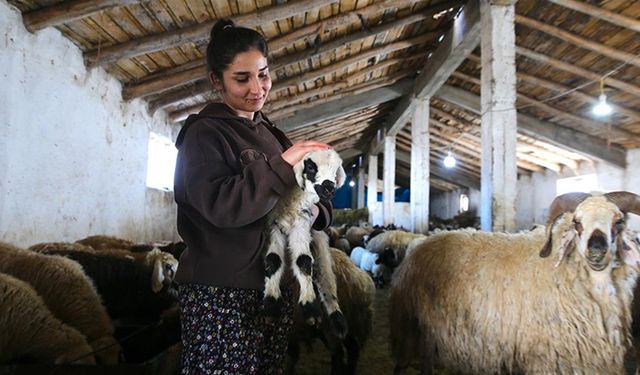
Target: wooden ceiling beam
x,y
457,44
601,13
174,38
576,70
560,136
579,41
560,88
68,11
597,128
346,105
168,81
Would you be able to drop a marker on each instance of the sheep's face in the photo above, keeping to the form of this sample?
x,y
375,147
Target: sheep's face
x,y
598,224
320,173
164,269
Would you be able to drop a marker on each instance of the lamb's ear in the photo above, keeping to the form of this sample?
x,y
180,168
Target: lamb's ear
x,y
297,171
565,245
157,278
340,177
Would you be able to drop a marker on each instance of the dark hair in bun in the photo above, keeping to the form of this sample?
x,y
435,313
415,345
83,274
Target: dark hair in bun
x,y
228,40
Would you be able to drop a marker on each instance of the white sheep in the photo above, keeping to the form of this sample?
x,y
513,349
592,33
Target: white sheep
x,y
370,263
30,331
396,240
289,228
68,293
480,303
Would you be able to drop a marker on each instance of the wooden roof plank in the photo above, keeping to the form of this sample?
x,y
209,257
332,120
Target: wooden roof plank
x,y
601,13
194,33
549,132
67,11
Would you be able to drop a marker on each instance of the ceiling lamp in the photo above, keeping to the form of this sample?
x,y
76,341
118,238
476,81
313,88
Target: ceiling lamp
x,y
352,183
602,108
449,161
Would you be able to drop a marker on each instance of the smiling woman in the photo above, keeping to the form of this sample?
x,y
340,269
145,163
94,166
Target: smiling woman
x,y
233,166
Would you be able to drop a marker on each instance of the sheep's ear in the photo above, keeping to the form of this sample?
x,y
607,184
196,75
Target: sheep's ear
x,y
157,278
297,171
565,245
340,177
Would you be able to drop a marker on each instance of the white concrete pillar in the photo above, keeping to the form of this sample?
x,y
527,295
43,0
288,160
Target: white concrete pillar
x,y
632,182
389,180
372,186
360,186
420,167
498,99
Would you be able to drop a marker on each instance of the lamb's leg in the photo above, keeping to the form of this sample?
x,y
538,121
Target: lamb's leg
x,y
274,269
326,282
302,266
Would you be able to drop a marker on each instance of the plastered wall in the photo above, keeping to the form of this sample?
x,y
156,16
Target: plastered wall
x,y
73,154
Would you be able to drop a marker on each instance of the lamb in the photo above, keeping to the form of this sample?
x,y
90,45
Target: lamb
x,y
395,240
371,263
355,293
100,242
479,302
68,293
289,224
31,332
133,292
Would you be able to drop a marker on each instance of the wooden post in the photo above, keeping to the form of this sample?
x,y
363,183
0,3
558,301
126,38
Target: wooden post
x,y
498,97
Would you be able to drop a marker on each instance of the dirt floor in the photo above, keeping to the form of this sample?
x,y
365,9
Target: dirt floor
x,y
375,357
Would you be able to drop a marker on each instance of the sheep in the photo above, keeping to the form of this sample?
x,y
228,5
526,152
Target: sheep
x,y
355,235
343,244
479,302
30,331
124,284
372,263
288,227
356,294
68,293
392,246
45,247
100,242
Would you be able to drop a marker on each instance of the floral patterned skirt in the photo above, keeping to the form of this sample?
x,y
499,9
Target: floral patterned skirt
x,y
224,331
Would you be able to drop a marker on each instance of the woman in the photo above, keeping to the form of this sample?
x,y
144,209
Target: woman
x,y
232,167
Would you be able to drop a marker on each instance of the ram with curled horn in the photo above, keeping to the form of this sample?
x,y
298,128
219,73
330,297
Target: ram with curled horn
x,y
596,225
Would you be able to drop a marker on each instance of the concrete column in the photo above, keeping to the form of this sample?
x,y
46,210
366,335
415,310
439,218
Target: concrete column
x,y
360,186
420,167
389,180
498,99
372,186
632,182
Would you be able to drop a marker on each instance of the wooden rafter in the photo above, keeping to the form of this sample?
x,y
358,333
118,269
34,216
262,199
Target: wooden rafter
x,y
601,13
67,11
576,70
590,126
152,43
563,137
579,41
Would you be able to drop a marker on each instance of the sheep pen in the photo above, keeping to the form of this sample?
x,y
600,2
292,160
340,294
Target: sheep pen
x,y
478,302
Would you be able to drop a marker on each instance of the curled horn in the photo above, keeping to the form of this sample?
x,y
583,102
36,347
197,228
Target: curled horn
x,y
627,202
563,203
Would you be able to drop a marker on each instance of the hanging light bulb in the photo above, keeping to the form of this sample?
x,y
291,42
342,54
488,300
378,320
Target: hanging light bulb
x,y
449,161
602,108
352,183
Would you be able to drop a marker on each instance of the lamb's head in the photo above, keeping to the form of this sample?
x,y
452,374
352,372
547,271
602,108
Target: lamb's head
x,y
592,225
320,173
164,268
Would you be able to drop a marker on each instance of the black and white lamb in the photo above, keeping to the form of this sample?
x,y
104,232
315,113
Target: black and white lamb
x,y
289,228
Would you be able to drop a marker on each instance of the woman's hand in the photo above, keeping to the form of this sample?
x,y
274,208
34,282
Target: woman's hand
x,y
296,152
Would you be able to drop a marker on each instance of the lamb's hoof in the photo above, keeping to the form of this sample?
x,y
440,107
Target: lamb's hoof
x,y
338,324
272,306
311,312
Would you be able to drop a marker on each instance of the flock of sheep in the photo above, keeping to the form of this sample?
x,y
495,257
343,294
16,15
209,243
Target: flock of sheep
x,y
556,299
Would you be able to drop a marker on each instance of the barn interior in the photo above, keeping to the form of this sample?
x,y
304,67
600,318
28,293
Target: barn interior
x,y
94,93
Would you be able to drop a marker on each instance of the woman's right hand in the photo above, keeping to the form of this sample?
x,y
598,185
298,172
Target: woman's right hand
x,y
295,153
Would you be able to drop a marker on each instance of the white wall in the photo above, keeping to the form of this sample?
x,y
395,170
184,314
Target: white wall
x,y
72,154
632,181
535,194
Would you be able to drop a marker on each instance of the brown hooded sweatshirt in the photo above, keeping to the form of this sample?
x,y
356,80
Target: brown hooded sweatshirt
x,y
229,175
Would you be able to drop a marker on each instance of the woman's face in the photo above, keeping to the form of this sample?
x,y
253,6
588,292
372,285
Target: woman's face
x,y
245,83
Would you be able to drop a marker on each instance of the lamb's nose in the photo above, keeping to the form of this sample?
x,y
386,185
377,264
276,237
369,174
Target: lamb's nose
x,y
326,189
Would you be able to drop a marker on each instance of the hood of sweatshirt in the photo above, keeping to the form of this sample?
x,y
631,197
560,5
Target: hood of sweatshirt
x,y
219,111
